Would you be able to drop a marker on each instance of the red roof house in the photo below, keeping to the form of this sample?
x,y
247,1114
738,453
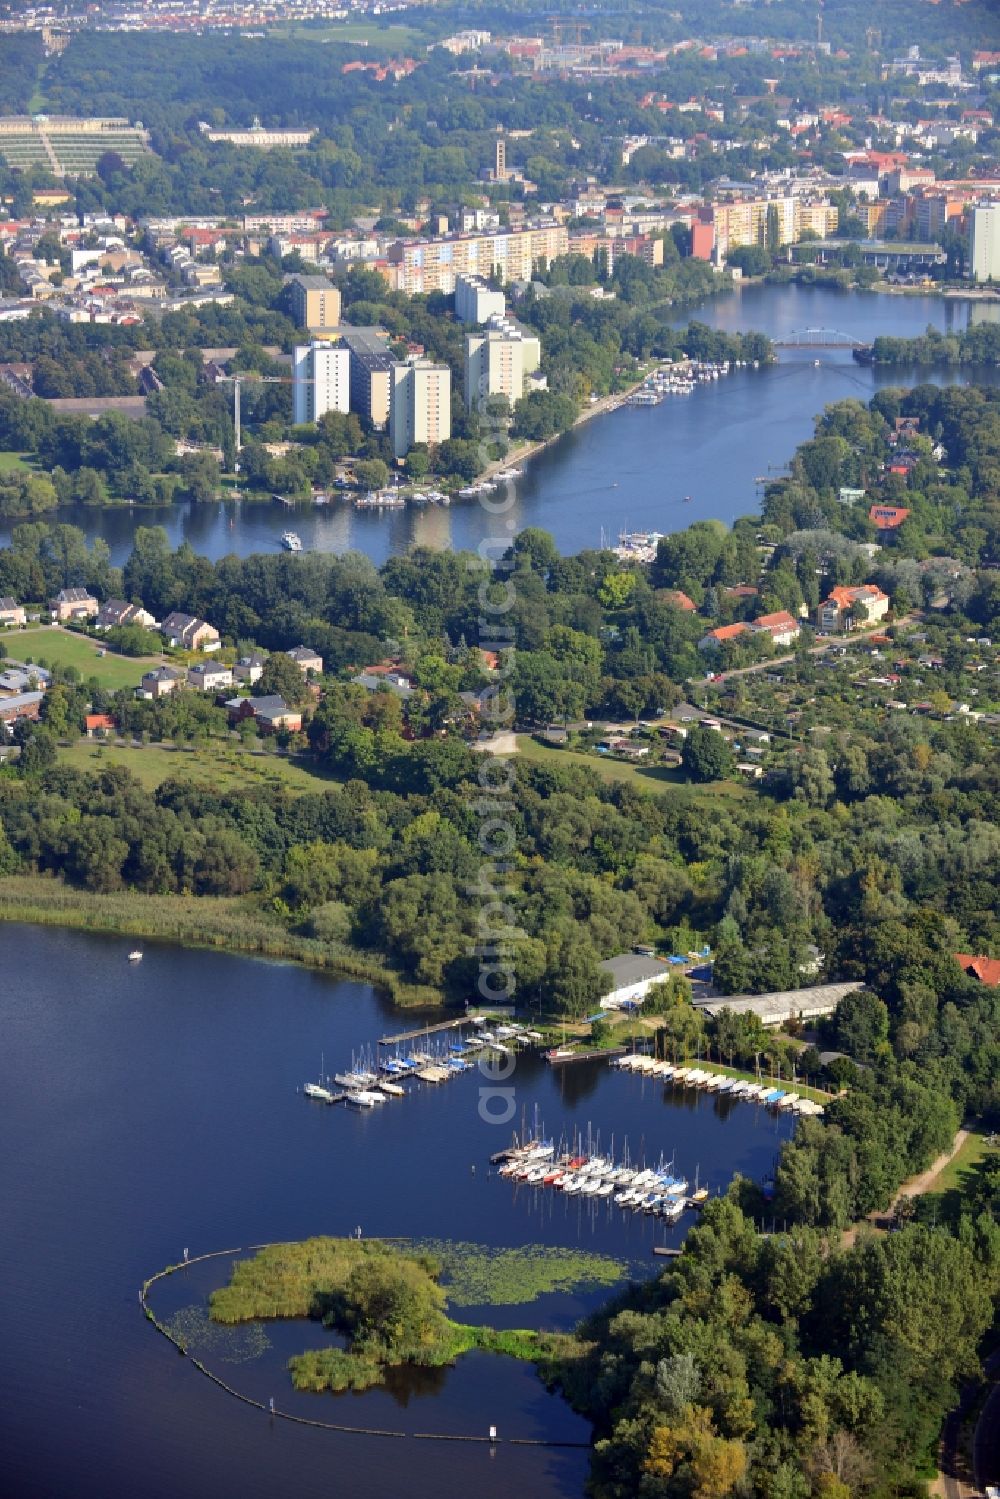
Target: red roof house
x,y
986,970
782,627
888,517
99,723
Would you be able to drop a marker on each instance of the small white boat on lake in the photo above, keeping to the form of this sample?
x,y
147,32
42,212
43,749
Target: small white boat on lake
x,y
316,1090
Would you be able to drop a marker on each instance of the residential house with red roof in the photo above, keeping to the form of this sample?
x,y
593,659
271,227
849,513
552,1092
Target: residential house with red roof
x,y
888,517
835,612
986,970
782,627
722,634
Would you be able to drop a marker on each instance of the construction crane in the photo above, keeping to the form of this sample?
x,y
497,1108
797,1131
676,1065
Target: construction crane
x,y
236,381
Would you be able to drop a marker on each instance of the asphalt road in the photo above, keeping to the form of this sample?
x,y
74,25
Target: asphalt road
x,y
986,1442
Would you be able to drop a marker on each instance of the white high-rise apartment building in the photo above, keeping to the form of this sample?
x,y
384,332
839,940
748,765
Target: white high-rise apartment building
x,y
494,366
420,405
476,301
322,381
985,246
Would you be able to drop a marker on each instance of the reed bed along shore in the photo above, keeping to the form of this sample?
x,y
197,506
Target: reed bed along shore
x,y
232,923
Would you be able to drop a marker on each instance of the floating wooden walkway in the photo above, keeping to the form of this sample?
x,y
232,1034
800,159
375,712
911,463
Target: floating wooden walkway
x,y
424,1030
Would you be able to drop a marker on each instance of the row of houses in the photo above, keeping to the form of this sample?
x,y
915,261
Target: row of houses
x,y
180,630
844,607
215,677
269,712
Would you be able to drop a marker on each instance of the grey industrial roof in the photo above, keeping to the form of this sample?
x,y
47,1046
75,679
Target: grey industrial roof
x,y
632,968
22,700
773,1009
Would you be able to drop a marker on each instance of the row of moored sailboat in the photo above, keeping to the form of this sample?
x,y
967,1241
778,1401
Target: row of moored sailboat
x,y
718,1082
655,1191
368,1084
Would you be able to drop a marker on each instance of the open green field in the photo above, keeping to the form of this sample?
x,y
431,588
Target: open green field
x,y
354,34
644,778
17,463
55,647
222,767
954,1176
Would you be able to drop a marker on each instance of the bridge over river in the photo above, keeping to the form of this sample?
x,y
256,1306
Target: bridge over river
x,y
818,338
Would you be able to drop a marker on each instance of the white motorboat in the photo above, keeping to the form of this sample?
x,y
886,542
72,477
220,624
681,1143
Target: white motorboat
x,y
135,956
316,1090
291,541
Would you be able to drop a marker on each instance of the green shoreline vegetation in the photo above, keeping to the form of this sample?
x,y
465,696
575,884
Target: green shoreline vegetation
x,y
232,924
386,1299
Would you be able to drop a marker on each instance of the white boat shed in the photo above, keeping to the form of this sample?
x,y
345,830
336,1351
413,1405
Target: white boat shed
x,y
632,976
789,1004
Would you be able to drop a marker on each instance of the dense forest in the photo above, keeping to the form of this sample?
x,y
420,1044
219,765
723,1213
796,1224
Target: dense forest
x,y
977,344
779,1366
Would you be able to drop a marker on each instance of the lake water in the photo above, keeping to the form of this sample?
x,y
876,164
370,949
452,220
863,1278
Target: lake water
x,y
632,467
153,1107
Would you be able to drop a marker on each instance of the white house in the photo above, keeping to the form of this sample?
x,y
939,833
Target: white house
x,y
210,676
782,627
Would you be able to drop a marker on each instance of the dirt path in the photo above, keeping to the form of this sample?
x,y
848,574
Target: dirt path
x,y
915,1187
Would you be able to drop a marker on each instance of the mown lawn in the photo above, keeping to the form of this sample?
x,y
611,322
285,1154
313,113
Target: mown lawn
x,y
955,1175
16,463
354,34
54,647
223,767
645,778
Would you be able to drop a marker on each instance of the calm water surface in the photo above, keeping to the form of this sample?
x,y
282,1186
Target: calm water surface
x,y
631,468
156,1107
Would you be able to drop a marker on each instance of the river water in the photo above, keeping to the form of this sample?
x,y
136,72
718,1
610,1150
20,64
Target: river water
x,y
632,467
155,1107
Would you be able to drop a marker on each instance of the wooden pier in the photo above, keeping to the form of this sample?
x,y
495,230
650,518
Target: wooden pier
x,y
424,1030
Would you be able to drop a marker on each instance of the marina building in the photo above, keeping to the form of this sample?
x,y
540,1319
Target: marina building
x,y
321,375
420,405
780,1007
632,975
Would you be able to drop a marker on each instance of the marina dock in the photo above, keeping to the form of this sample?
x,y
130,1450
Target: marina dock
x,y
402,1038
